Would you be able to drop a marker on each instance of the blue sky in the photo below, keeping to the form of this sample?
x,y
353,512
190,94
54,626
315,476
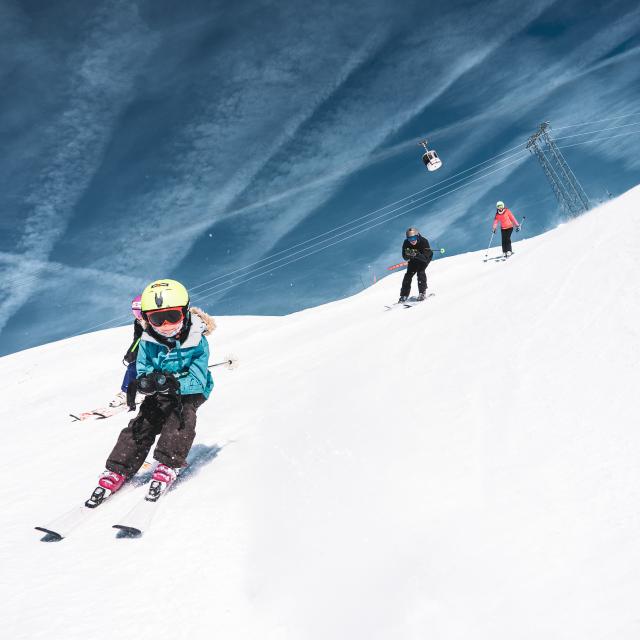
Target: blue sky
x,y
155,139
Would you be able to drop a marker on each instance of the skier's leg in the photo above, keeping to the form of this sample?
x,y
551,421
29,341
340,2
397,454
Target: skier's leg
x,y
177,435
406,281
507,241
135,440
422,279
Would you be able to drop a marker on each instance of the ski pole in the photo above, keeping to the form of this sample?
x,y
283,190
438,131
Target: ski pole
x,y
231,362
522,222
486,255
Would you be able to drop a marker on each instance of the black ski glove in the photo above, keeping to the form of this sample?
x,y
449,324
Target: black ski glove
x,y
147,384
158,382
166,383
493,231
420,257
517,229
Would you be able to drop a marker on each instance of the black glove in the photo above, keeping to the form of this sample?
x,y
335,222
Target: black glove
x,y
166,383
147,385
420,257
158,382
493,231
517,229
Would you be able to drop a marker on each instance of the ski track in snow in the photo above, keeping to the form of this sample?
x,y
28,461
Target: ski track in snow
x,y
464,470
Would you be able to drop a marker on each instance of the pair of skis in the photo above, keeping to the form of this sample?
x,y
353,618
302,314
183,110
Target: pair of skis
x,y
500,258
408,303
132,525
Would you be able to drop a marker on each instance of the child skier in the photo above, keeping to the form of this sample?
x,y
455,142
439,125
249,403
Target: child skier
x,y
172,373
127,391
507,221
416,250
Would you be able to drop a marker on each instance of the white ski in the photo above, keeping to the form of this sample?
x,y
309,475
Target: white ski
x,y
138,520
63,525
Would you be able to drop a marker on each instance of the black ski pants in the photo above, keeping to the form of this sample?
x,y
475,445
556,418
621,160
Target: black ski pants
x,y
506,239
415,267
159,415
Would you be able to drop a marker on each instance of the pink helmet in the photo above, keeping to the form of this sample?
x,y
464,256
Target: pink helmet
x,y
136,307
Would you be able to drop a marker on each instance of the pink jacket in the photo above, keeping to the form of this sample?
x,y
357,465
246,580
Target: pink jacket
x,y
506,219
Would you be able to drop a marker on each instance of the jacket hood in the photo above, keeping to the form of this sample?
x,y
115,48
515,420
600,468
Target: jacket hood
x,y
209,322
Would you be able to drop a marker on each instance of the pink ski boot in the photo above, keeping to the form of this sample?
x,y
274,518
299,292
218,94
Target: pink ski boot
x,y
163,478
108,483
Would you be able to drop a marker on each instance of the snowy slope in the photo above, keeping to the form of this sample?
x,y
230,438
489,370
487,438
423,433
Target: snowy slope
x,y
466,469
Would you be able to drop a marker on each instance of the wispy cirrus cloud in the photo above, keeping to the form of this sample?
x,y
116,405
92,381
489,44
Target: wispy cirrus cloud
x,y
184,207
101,74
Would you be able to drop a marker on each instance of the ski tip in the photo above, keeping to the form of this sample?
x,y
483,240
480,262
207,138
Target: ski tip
x,y
51,536
127,532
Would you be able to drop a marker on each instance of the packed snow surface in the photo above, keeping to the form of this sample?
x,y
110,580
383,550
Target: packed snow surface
x,y
467,469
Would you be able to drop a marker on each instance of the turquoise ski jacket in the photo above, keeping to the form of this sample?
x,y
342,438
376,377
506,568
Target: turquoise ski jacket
x,y
187,361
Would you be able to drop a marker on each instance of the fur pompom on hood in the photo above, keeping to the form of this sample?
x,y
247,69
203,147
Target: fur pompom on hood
x,y
206,318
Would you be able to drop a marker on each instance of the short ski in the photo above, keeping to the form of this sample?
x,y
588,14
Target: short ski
x,y
100,413
408,303
138,520
135,523
63,525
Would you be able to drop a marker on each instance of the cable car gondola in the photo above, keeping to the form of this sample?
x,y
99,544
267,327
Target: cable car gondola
x,y
430,157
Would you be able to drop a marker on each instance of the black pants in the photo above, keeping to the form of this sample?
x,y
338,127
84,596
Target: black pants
x,y
506,239
158,415
415,267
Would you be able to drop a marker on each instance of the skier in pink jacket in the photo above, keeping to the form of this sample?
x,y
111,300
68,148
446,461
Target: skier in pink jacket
x,y
507,222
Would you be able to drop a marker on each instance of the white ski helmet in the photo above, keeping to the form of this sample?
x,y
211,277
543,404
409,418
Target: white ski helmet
x,y
412,231
499,204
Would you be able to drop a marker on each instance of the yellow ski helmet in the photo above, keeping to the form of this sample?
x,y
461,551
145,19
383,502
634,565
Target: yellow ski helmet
x,y
164,294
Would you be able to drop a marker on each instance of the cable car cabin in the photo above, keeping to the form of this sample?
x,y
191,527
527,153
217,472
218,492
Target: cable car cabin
x,y
431,161
430,157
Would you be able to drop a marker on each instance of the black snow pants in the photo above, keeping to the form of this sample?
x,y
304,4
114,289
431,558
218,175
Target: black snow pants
x,y
158,415
506,239
415,266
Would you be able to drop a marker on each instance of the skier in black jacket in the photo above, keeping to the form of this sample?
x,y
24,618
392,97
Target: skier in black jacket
x,y
417,252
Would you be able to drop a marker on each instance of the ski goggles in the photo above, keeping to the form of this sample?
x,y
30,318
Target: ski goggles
x,y
412,238
501,208
165,316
